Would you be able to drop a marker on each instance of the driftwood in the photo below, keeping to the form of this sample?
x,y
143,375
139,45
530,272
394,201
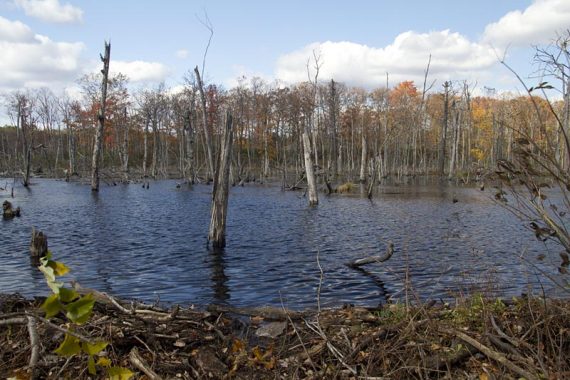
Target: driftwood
x,y
38,244
373,259
8,212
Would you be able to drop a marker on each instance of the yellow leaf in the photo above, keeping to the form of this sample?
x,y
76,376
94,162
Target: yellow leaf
x,y
483,376
120,373
59,269
103,362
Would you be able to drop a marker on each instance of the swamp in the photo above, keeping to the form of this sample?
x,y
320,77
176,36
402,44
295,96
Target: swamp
x,y
317,224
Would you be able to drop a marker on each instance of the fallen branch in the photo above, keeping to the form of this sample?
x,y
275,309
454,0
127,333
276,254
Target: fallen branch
x,y
496,356
373,259
141,364
35,343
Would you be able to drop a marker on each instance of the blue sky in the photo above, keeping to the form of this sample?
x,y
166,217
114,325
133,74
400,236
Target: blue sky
x,y
53,42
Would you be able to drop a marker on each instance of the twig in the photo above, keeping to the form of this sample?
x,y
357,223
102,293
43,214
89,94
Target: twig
x,y
35,342
321,275
298,336
63,329
140,363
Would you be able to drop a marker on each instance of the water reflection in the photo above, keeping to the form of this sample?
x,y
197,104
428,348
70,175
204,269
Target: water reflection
x,y
219,279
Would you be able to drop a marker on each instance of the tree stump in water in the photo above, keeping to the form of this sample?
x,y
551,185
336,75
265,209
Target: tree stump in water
x,y
8,212
38,245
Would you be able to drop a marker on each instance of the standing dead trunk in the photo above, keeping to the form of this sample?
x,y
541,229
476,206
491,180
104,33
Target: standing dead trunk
x,y
310,171
217,234
101,120
124,148
446,86
145,145
210,159
189,158
363,157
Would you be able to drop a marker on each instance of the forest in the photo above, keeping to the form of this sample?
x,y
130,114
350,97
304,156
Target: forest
x,y
356,134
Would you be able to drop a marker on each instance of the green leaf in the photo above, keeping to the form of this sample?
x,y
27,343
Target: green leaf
x,y
80,310
93,349
91,366
52,306
104,362
120,373
69,347
59,269
68,295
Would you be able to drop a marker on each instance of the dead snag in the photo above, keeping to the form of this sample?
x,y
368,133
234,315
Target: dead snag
x,y
8,211
38,244
101,120
217,234
373,259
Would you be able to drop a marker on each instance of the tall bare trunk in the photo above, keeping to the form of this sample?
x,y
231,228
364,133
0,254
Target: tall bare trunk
x,y
207,137
145,145
189,137
217,234
310,171
101,120
363,158
442,141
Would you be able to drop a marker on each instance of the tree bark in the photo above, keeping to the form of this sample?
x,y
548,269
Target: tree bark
x,y
446,86
101,120
217,234
189,154
207,136
310,171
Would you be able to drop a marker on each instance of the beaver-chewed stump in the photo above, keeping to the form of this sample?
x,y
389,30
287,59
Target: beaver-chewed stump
x,y
8,212
38,245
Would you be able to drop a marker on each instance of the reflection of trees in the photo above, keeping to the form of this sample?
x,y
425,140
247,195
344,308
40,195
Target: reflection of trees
x,y
219,278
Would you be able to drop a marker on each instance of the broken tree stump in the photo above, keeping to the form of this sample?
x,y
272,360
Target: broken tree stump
x,y
8,211
217,233
38,245
373,259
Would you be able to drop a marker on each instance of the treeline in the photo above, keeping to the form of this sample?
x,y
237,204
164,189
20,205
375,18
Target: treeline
x,y
356,134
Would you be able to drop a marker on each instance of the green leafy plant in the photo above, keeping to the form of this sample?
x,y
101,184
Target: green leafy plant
x,y
77,310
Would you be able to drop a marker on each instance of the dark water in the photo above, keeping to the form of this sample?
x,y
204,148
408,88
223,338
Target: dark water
x,y
149,244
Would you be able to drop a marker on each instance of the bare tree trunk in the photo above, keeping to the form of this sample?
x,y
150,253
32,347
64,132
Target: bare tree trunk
x,y
446,86
217,234
210,156
145,143
310,171
124,147
363,157
189,136
101,119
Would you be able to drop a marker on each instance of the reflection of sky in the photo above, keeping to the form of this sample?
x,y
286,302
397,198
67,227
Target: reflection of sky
x,y
139,243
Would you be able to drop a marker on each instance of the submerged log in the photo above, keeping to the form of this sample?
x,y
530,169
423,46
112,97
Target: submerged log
x,y
8,211
38,244
373,259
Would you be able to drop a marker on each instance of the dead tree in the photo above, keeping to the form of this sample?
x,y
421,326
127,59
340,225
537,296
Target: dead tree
x,y
101,120
217,234
207,136
189,152
38,244
442,141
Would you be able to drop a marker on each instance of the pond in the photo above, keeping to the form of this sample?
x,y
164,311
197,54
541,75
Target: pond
x,y
151,245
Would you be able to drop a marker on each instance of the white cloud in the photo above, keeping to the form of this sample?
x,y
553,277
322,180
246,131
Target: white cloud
x,y
51,10
182,53
31,60
535,25
452,56
140,71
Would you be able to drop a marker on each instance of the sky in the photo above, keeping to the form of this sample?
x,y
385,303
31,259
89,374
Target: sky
x,y
52,43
